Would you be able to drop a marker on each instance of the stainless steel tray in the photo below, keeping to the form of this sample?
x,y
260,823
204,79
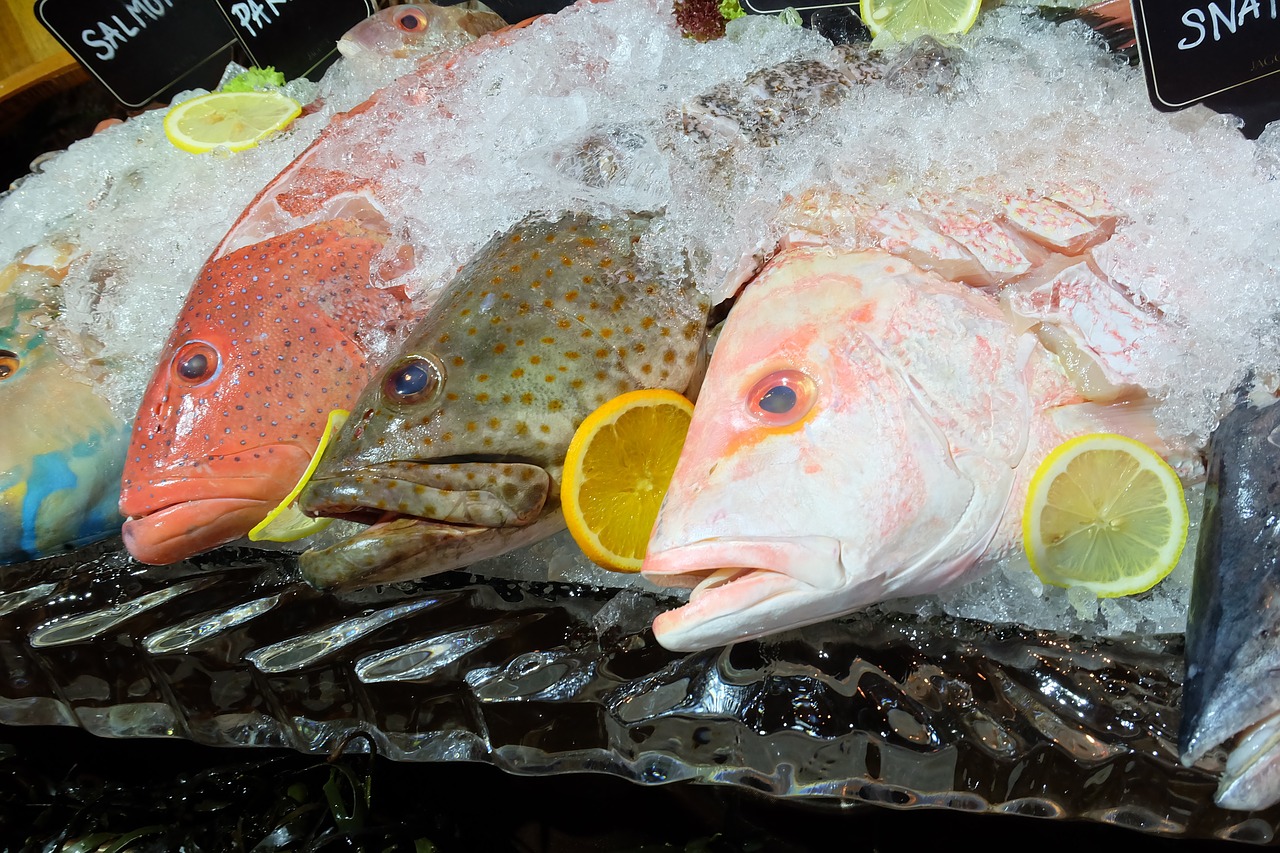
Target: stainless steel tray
x,y
232,649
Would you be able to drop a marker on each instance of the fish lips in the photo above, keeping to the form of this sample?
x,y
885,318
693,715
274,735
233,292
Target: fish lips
x,y
428,517
195,508
744,588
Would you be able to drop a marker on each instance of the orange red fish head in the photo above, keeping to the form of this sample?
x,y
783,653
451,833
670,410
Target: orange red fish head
x,y
270,339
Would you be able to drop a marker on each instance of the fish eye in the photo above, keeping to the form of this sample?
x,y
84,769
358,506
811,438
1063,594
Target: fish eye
x,y
413,379
412,20
782,397
9,364
195,363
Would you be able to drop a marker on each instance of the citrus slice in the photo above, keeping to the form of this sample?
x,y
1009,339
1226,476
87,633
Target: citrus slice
x,y
231,120
1106,513
904,20
286,523
617,470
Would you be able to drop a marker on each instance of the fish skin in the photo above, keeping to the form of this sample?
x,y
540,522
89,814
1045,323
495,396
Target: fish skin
x,y
546,323
1232,686
63,448
929,411
286,322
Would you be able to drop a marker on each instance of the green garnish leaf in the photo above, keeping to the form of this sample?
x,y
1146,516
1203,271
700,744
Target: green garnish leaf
x,y
254,79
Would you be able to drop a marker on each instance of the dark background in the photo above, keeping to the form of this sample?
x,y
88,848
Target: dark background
x,y
57,785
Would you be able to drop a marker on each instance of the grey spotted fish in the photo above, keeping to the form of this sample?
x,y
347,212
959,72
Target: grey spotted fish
x,y
457,446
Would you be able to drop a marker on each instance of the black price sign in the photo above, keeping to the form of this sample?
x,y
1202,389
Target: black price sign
x,y
139,48
1193,51
296,37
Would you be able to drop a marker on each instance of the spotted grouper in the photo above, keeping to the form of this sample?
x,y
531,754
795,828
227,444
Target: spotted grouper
x,y
270,339
456,448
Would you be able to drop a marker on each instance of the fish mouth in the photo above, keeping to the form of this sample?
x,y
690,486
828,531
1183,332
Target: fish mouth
x,y
745,588
425,517
200,507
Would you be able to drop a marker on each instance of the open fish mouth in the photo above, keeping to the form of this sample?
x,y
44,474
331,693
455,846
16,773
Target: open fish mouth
x,y
745,588
425,518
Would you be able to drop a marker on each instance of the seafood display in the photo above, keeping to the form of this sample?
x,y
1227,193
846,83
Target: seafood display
x,y
458,446
96,255
1230,693
916,272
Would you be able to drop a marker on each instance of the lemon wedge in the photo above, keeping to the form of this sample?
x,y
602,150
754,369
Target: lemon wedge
x,y
617,470
286,523
231,120
905,20
1106,513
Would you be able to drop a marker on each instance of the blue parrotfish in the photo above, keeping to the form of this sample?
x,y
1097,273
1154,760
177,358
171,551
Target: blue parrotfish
x,y
63,447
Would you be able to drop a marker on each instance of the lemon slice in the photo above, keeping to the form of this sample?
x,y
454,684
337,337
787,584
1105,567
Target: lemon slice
x,y
904,20
617,471
1106,513
231,120
286,523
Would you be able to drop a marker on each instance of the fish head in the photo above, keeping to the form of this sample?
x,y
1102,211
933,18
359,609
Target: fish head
x,y
853,440
271,338
456,448
417,29
63,446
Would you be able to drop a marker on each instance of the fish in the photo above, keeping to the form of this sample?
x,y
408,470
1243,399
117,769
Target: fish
x,y
270,339
456,449
413,30
61,457
311,270
1231,694
867,427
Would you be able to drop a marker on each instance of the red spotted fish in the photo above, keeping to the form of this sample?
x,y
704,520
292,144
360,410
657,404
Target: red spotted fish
x,y
63,447
413,30
456,449
274,334
867,428
271,338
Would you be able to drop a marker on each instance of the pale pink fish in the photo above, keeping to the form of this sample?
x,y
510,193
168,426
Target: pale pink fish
x,y
867,430
416,29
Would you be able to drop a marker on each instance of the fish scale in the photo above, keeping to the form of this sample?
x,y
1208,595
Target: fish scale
x,y
274,336
545,324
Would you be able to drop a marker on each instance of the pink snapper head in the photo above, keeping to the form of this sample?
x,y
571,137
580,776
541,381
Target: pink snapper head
x,y
417,29
854,440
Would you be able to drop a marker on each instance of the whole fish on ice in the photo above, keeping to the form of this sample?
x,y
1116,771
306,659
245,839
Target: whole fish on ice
x,y
63,447
1232,690
414,30
456,448
275,333
867,428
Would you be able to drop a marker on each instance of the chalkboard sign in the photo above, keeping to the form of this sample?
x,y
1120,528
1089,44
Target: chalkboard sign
x,y
296,37
139,48
1193,51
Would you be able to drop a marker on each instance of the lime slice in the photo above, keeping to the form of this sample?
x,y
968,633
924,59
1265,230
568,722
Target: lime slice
x,y
1106,513
616,472
905,20
286,523
231,120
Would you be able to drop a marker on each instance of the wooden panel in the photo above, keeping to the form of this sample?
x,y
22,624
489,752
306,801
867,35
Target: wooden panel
x,y
28,54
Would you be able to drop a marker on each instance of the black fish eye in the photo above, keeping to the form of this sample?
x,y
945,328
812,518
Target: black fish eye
x,y
778,400
412,380
411,20
9,363
195,363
